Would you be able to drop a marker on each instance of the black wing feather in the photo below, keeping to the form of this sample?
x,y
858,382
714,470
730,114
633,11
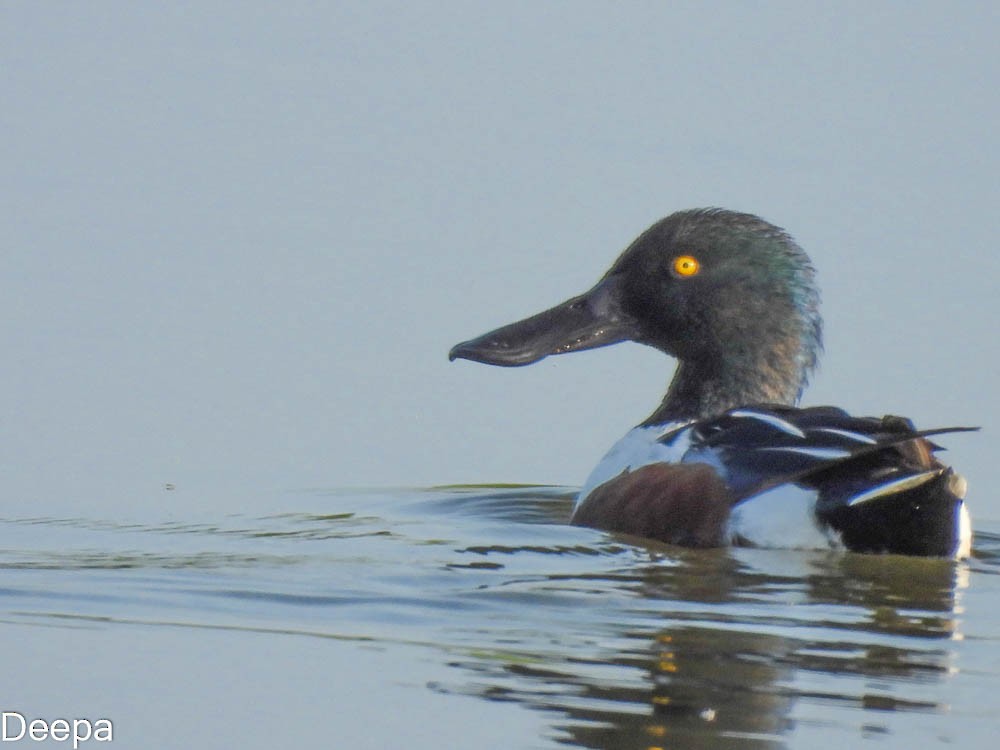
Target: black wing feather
x,y
764,446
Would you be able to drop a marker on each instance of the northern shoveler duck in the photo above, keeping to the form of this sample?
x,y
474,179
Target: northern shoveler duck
x,y
727,458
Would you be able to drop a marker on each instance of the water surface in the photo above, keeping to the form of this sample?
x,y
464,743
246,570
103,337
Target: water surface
x,y
452,616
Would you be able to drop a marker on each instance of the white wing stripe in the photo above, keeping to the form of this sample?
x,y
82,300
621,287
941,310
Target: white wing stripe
x,y
777,422
855,436
825,454
891,488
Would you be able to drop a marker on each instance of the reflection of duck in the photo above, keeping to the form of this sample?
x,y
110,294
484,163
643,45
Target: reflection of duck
x,y
738,654
742,648
726,457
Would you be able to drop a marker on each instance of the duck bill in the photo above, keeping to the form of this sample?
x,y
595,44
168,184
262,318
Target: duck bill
x,y
586,322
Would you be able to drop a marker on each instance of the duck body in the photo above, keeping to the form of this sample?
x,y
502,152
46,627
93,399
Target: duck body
x,y
807,478
727,457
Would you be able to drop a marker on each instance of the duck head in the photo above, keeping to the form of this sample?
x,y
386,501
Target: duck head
x,y
729,295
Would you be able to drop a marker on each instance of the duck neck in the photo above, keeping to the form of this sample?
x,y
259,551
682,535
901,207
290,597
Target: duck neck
x,y
704,388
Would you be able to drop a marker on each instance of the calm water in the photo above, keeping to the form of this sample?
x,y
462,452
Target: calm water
x,y
446,617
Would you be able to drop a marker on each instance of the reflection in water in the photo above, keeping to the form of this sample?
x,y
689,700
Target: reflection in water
x,y
719,646
621,643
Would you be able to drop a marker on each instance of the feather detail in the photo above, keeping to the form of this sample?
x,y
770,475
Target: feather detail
x,y
896,485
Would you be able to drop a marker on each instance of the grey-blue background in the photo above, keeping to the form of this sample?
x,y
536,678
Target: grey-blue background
x,y
239,238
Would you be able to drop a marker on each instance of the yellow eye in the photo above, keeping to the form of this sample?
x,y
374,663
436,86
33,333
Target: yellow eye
x,y
686,265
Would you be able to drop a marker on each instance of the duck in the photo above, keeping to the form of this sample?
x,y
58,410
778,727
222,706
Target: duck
x,y
728,457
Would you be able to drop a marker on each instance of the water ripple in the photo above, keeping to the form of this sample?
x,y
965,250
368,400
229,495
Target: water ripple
x,y
623,644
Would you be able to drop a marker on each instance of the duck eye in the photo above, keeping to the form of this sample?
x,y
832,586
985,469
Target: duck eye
x,y
685,265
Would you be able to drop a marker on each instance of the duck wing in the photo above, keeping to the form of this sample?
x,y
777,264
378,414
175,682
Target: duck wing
x,y
877,480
